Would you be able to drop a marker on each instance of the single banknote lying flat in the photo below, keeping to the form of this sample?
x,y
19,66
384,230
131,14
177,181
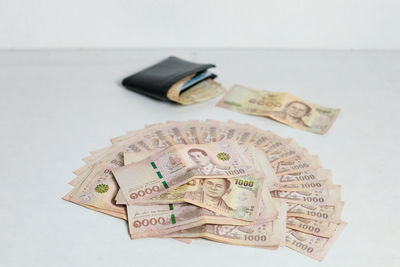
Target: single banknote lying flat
x,y
223,181
282,107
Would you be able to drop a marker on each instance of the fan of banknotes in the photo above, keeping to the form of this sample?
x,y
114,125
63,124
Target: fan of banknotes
x,y
223,181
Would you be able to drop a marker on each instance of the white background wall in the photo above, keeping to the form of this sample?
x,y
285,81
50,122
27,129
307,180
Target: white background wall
x,y
326,24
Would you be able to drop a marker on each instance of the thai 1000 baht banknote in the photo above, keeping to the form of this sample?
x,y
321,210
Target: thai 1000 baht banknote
x,y
192,132
177,132
279,106
201,92
96,187
266,211
314,227
327,213
299,163
305,176
97,190
179,164
162,219
307,185
237,197
210,133
233,197
259,234
159,220
313,246
289,150
155,137
324,196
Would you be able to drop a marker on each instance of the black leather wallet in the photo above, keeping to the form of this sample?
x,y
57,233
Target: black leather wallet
x,y
156,80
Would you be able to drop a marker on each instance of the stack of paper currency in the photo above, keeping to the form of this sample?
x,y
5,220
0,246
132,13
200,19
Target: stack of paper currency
x,y
223,181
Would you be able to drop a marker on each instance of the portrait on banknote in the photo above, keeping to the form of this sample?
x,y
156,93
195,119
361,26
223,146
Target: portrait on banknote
x,y
159,140
176,135
294,112
211,192
204,164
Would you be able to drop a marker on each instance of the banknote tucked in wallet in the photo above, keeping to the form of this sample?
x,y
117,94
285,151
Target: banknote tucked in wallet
x,y
176,80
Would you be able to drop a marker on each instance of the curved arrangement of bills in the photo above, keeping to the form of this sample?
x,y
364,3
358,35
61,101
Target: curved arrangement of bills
x,y
223,181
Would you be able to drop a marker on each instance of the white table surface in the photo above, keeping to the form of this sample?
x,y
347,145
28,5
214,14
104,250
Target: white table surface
x,y
56,106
